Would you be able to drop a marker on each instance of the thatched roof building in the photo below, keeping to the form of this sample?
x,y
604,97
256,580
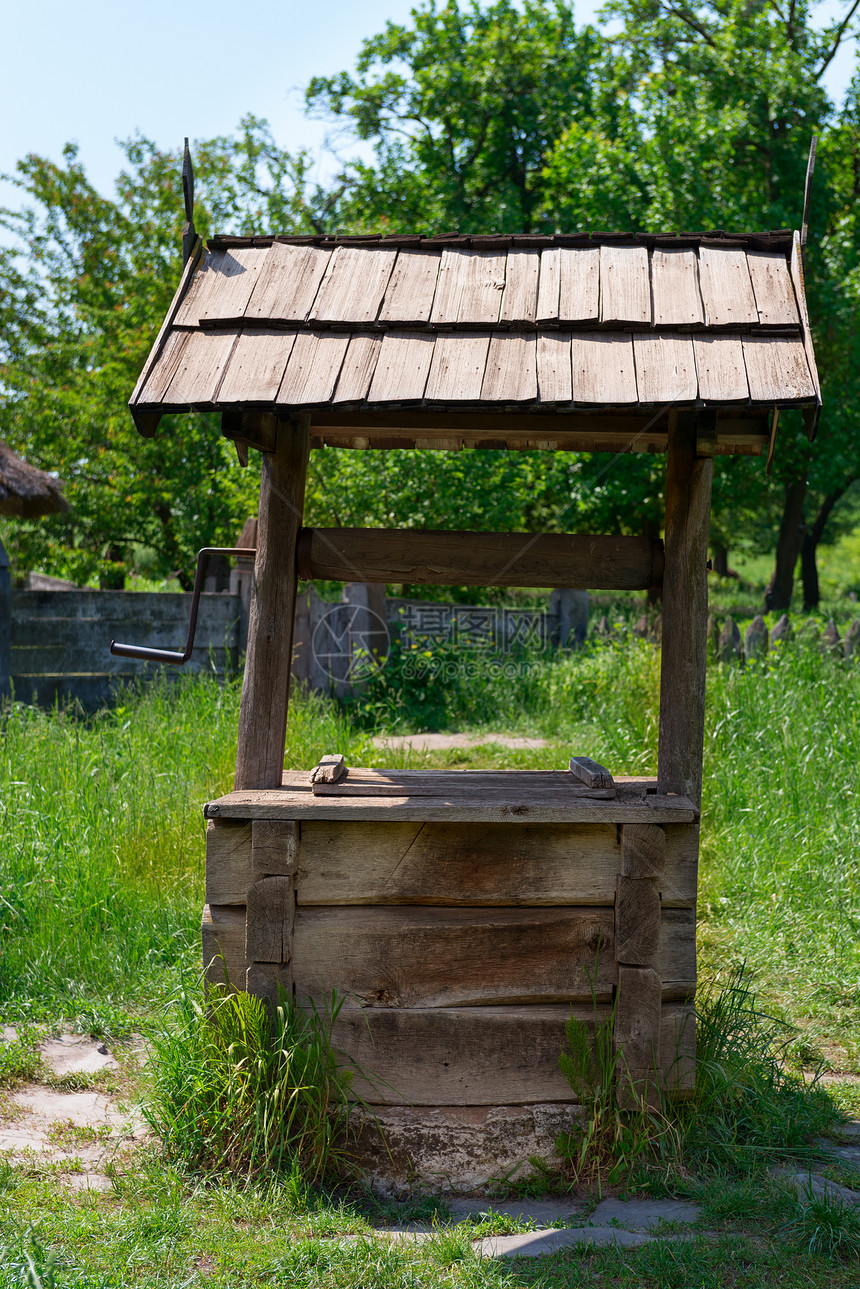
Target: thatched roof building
x,y
25,491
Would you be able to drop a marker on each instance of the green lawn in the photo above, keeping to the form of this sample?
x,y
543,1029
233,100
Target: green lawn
x,y
102,864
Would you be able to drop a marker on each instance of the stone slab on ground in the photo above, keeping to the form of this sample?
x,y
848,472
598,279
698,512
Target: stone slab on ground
x,y
542,1212
820,1187
71,1054
534,1244
43,1125
643,1214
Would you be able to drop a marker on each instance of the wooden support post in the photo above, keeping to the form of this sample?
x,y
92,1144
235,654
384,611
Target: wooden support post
x,y
266,690
685,612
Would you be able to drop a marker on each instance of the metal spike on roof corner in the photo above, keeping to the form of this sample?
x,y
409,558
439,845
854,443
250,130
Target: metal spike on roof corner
x,y
189,232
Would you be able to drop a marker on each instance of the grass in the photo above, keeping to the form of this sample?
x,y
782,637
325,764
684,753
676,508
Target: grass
x,y
101,880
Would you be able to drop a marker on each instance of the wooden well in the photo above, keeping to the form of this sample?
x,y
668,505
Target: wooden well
x,y
463,916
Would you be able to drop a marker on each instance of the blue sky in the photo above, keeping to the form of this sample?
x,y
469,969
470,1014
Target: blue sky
x,y
94,71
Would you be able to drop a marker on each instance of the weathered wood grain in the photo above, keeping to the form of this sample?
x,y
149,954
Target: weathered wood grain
x,y
678,1046
230,273
200,367
665,368
637,1019
353,286
720,369
256,367
553,367
271,981
602,369
165,331
773,289
522,273
643,851
446,957
549,284
442,557
229,871
223,939
796,270
457,370
458,1056
510,375
470,287
163,369
675,288
461,785
637,921
402,367
269,920
274,848
579,284
329,769
590,773
313,368
685,612
357,370
727,292
676,957
266,686
625,285
457,864
287,283
777,369
410,290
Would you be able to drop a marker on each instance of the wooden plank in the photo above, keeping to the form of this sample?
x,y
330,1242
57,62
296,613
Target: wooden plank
x,y
313,368
549,285
272,981
720,369
773,289
590,773
602,369
643,851
206,284
685,612
678,1046
637,921
459,1056
266,687
402,367
451,558
796,269
230,289
777,370
579,284
163,369
511,372
274,848
679,880
229,870
522,272
358,368
416,956
223,940
457,370
676,957
675,288
637,1018
353,286
329,769
410,290
457,864
287,283
625,285
470,287
461,785
665,368
553,367
256,367
283,804
269,920
169,319
727,292
198,373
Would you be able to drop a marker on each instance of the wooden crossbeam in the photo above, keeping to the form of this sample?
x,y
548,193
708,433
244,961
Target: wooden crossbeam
x,y
440,558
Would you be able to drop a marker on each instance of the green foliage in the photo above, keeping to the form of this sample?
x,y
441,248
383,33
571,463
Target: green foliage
x,y
241,1088
825,1227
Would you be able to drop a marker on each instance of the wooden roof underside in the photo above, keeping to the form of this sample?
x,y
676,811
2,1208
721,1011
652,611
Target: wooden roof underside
x,y
362,331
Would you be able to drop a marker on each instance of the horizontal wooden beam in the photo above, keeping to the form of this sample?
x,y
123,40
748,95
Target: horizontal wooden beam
x,y
442,558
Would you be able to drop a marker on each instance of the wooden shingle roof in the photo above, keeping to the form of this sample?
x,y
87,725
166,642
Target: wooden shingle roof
x,y
355,327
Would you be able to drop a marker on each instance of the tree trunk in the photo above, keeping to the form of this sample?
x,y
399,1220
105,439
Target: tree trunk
x,y
779,589
809,548
720,560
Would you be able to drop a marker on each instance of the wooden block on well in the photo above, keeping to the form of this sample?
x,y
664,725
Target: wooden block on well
x,y
269,924
676,957
269,980
274,845
678,1046
228,861
637,921
637,1018
643,850
679,879
223,936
